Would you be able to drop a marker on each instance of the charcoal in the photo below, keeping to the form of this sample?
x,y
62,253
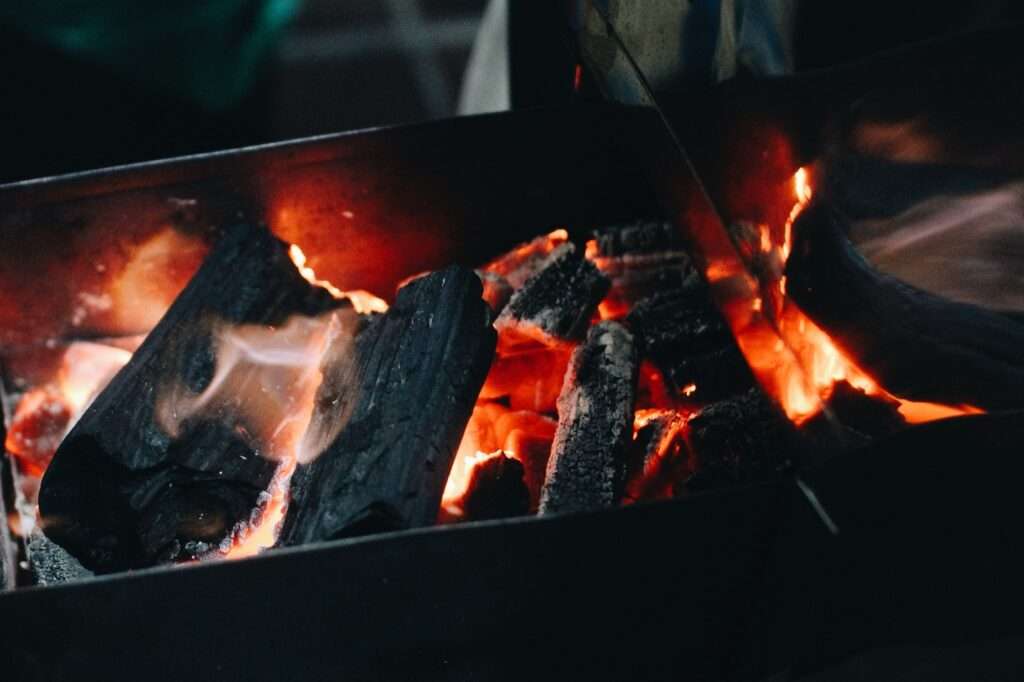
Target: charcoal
x,y
50,563
851,419
657,457
496,490
523,262
407,390
595,423
119,490
8,549
917,345
687,339
645,236
739,440
557,303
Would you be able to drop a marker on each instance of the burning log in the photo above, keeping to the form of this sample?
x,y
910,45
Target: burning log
x,y
496,489
739,440
859,417
595,423
917,345
691,344
497,290
555,305
120,491
641,260
406,390
523,262
658,457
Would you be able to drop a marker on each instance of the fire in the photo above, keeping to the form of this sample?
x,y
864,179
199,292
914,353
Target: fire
x,y
363,301
261,531
796,360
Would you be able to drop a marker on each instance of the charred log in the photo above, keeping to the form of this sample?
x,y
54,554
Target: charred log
x,y
658,456
861,417
917,345
644,236
496,490
120,492
739,440
687,339
523,262
556,304
406,392
50,563
497,290
595,423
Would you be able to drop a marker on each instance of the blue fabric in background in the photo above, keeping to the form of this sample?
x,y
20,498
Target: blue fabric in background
x,y
206,51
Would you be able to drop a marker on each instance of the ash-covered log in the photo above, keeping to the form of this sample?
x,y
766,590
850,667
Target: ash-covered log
x,y
406,392
524,261
595,423
555,305
917,345
120,492
496,490
641,236
739,440
687,339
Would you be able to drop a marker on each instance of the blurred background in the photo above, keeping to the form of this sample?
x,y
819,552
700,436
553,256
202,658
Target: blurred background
x,y
104,82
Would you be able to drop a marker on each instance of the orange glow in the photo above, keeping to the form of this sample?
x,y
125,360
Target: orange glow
x,y
795,360
363,301
261,532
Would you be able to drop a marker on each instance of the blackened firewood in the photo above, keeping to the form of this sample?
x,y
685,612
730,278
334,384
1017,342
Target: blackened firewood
x,y
557,303
525,260
739,440
917,345
687,339
120,492
8,550
874,416
645,236
496,490
595,423
406,393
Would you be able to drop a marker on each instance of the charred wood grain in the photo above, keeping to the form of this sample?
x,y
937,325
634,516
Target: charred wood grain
x,y
917,345
595,423
658,458
687,339
120,492
406,393
557,303
739,440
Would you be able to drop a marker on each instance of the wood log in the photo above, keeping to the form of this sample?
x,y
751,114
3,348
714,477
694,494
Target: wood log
x,y
120,492
658,456
523,262
595,423
916,345
555,305
740,440
687,339
641,236
496,490
407,391
852,418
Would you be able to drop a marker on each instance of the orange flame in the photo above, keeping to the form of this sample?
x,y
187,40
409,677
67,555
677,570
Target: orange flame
x,y
363,301
797,361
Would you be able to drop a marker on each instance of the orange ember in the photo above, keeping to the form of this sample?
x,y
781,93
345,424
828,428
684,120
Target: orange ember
x,y
795,360
363,301
261,532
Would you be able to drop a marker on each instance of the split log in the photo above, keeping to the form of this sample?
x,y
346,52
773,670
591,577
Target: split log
x,y
407,391
739,440
595,423
555,305
524,261
496,490
120,492
917,345
687,339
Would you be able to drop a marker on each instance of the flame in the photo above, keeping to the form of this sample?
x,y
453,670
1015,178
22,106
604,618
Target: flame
x,y
363,301
797,361
262,530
